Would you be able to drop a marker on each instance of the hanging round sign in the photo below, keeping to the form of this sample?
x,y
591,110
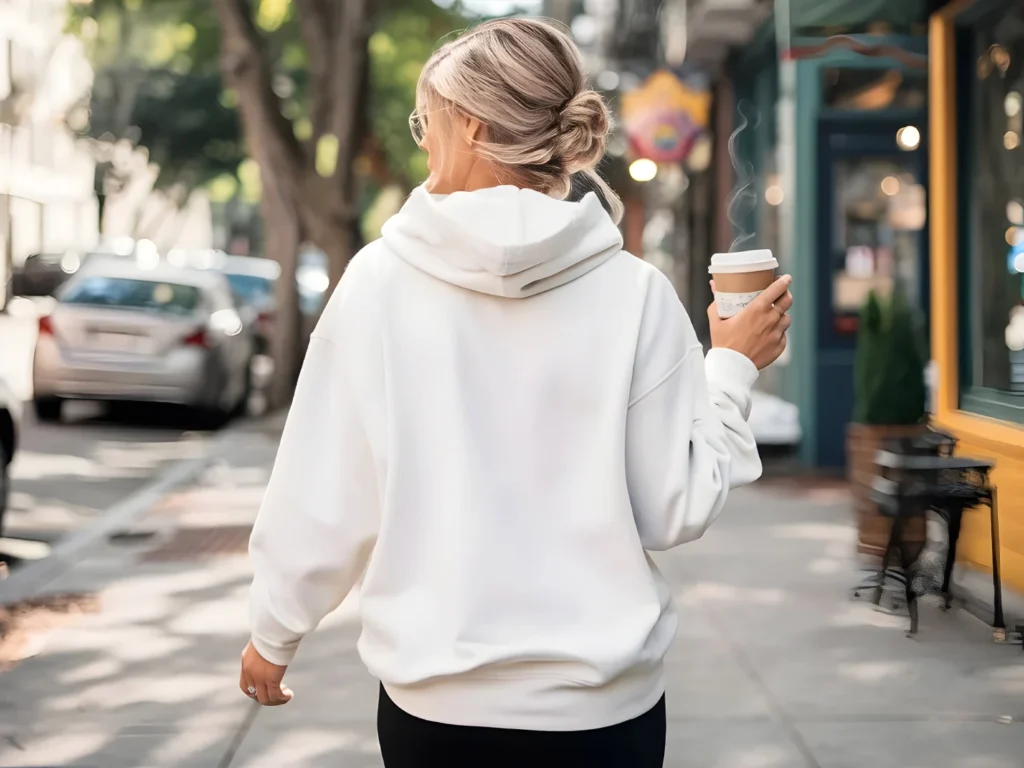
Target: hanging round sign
x,y
664,118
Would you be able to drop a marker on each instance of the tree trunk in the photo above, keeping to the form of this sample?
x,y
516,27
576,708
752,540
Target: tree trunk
x,y
339,244
283,235
269,135
299,201
330,210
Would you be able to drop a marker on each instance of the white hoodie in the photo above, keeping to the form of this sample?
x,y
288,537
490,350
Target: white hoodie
x,y
499,412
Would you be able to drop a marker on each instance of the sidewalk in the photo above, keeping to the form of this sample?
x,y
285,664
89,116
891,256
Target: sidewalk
x,y
774,666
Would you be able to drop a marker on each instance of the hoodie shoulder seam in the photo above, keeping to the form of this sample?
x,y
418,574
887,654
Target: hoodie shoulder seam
x,y
668,375
319,336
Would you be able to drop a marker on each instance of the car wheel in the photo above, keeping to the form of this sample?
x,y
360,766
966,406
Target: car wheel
x,y
242,406
48,409
211,419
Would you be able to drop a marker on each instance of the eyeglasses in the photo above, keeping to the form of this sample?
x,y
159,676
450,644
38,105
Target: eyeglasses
x,y
417,127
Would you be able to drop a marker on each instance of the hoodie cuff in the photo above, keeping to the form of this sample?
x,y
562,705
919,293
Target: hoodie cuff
x,y
275,653
728,369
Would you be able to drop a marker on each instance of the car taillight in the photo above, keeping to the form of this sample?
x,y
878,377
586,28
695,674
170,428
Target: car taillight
x,y
45,325
197,338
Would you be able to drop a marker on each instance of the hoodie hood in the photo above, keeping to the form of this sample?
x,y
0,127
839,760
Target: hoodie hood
x,y
502,241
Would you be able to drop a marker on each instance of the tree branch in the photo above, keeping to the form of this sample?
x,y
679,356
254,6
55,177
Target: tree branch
x,y
246,68
329,203
316,22
350,37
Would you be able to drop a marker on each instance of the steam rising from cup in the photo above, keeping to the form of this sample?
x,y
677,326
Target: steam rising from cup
x,y
743,199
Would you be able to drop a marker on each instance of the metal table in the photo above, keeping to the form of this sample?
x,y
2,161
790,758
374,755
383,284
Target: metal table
x,y
949,485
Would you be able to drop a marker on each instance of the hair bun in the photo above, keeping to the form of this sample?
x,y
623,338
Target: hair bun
x,y
582,129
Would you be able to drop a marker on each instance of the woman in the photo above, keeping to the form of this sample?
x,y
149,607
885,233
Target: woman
x,y
499,413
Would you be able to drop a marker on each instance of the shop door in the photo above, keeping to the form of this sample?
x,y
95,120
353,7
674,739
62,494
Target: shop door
x,y
871,236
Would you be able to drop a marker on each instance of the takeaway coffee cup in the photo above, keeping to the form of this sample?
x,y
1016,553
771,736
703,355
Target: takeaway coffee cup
x,y
740,278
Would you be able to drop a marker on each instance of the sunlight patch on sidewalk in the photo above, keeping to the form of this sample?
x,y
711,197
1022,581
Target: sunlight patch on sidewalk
x,y
717,592
65,748
874,671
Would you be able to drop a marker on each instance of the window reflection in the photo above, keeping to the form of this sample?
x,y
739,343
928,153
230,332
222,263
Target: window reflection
x,y
880,212
995,246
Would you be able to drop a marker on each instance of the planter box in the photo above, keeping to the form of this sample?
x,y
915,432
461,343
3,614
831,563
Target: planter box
x,y
863,441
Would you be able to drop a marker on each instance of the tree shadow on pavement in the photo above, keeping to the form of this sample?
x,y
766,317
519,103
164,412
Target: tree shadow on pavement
x,y
773,665
151,679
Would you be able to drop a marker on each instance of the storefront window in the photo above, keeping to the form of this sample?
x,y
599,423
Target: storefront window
x,y
879,214
994,248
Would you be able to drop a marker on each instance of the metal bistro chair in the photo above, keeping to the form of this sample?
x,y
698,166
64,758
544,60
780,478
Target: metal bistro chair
x,y
886,494
913,483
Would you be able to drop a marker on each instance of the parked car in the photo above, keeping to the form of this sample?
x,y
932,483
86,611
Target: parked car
x,y
10,421
255,277
43,274
253,281
120,331
773,421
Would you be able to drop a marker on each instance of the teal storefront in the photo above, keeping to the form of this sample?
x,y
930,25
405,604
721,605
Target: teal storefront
x,y
840,171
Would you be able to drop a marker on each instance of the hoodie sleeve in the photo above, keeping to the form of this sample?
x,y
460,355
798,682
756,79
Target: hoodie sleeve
x,y
687,438
320,515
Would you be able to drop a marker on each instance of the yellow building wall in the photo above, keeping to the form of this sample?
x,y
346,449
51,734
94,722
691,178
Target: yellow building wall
x,y
979,437
975,545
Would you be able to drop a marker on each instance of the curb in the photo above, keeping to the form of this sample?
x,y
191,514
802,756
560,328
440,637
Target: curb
x,y
972,589
29,580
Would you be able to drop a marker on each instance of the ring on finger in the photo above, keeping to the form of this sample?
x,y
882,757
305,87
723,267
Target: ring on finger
x,y
251,691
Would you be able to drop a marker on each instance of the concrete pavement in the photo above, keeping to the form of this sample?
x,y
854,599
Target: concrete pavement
x,y
66,475
774,667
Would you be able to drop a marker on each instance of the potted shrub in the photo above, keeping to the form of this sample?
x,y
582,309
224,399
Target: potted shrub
x,y
888,403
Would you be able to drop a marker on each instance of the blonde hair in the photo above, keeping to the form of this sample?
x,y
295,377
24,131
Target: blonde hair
x,y
523,79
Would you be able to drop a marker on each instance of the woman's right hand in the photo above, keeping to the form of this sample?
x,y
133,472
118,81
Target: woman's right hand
x,y
759,329
261,680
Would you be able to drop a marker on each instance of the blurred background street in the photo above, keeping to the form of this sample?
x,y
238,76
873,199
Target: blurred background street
x,y
183,182
67,474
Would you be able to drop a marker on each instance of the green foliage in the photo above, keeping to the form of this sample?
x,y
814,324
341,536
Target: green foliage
x,y
403,41
272,14
383,207
326,155
158,83
130,35
249,180
181,122
888,371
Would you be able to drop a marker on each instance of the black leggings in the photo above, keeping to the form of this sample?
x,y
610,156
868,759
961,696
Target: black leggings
x,y
409,742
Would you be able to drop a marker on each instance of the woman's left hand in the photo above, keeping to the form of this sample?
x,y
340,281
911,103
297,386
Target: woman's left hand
x,y
261,680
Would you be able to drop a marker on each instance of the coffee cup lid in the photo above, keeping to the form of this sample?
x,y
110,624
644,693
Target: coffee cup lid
x,y
743,261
